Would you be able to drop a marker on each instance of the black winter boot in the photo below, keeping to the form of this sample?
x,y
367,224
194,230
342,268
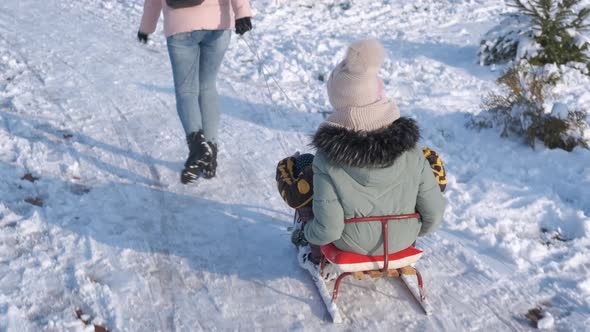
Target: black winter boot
x,y
209,170
199,158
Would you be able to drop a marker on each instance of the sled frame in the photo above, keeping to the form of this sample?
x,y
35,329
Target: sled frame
x,y
408,270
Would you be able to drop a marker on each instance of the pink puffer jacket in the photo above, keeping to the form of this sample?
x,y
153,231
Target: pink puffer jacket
x,y
210,15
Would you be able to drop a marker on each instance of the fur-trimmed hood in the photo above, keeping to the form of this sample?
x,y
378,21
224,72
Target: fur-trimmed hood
x,y
375,149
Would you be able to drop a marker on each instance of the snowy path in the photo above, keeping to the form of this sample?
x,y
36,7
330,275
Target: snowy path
x,y
90,112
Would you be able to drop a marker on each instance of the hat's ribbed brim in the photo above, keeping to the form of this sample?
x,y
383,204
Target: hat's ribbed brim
x,y
365,118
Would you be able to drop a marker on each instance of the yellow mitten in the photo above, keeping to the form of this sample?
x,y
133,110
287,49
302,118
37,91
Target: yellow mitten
x,y
296,190
437,167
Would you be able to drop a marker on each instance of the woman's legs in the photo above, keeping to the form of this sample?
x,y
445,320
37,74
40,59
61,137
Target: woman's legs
x,y
195,58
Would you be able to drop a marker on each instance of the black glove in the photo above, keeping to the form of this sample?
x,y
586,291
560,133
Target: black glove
x,y
243,25
142,37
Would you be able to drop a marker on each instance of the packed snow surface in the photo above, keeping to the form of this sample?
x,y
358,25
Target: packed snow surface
x,y
93,216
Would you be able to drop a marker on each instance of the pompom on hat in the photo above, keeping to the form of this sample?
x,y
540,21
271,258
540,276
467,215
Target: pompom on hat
x,y
356,91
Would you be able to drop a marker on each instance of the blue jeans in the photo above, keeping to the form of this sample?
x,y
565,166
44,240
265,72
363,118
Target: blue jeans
x,y
196,57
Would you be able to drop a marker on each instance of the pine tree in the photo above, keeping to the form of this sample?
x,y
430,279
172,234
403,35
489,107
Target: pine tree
x,y
557,27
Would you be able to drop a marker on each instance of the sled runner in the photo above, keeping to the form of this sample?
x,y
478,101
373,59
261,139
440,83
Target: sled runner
x,y
342,263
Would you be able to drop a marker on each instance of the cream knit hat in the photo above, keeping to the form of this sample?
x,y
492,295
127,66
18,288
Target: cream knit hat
x,y
356,92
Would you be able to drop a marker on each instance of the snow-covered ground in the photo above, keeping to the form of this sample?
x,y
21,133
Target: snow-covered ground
x,y
93,217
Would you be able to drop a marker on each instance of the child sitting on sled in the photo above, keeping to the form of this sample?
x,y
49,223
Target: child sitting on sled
x,y
367,164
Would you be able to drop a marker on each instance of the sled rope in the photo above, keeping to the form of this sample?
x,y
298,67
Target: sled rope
x,y
266,77
262,69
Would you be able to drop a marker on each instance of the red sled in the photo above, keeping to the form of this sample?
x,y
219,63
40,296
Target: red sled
x,y
399,264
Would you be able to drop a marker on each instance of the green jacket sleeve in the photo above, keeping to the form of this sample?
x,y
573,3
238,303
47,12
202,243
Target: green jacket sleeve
x,y
328,222
430,202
